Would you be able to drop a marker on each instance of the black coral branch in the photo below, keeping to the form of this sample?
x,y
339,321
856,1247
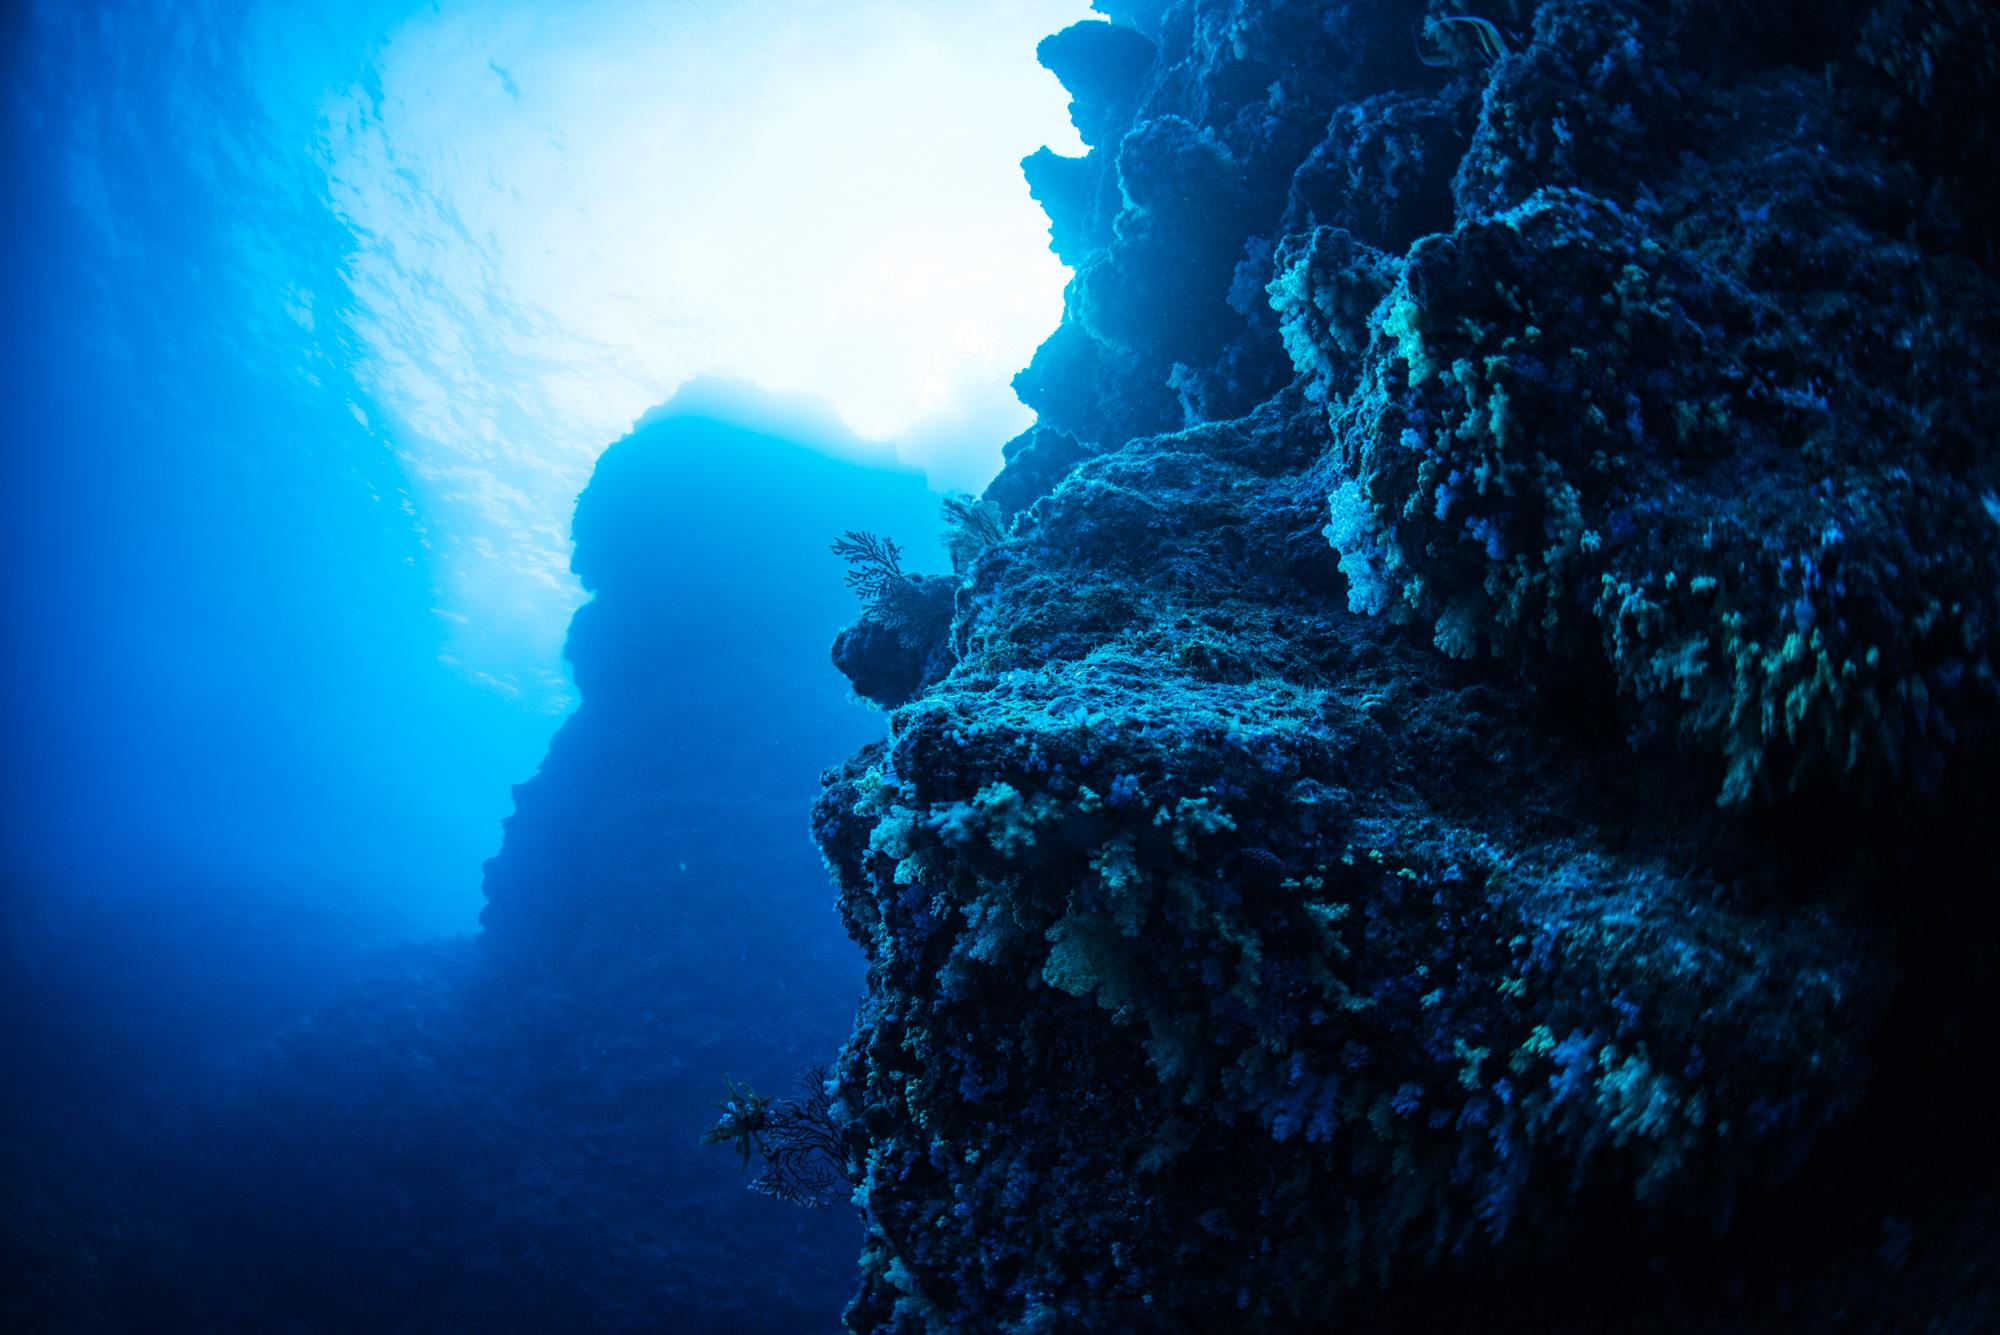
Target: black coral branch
x,y
917,606
810,1156
875,564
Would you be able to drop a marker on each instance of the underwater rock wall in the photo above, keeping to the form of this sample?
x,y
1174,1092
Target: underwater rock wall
x,y
1460,794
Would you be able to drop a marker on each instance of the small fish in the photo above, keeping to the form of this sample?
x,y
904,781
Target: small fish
x,y
1492,44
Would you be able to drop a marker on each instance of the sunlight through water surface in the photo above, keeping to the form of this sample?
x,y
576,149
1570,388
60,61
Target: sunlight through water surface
x,y
563,213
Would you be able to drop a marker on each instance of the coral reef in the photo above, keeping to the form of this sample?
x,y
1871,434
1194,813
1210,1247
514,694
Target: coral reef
x,y
1457,796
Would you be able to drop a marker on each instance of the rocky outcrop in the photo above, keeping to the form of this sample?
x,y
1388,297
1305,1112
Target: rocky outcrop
x,y
1455,796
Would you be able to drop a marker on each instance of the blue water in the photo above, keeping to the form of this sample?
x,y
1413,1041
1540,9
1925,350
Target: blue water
x,y
256,1070
223,663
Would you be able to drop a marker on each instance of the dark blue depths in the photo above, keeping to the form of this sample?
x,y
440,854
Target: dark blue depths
x,y
500,1133
233,1094
1458,796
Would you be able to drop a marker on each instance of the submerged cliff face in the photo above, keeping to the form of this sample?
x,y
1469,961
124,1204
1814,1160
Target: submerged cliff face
x,y
1456,794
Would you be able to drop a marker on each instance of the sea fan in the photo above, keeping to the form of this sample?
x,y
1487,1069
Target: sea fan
x,y
810,1155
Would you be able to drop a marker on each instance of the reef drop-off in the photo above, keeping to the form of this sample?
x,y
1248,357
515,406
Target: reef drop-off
x,y
1461,792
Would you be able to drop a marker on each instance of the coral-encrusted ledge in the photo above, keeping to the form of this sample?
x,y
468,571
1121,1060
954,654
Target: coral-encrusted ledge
x,y
1458,794
1225,945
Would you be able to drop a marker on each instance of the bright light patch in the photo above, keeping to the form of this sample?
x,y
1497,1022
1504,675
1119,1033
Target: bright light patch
x,y
567,211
